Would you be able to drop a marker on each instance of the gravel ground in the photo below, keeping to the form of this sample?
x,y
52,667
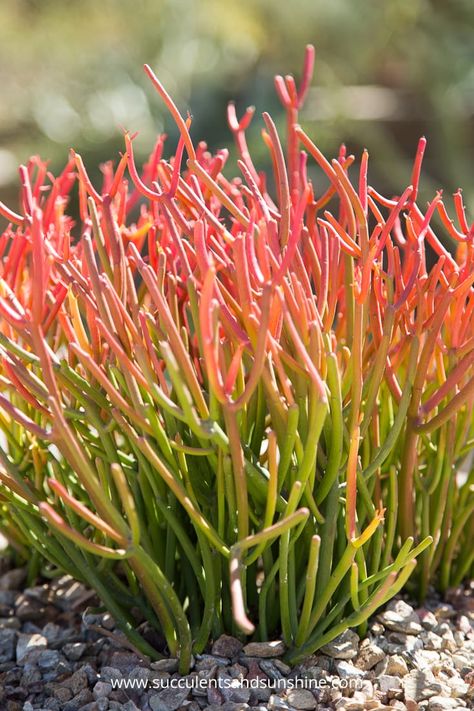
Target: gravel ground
x,y
56,654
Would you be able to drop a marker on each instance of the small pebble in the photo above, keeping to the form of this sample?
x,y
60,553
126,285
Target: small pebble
x,y
428,620
226,646
301,699
49,659
7,644
396,666
420,685
345,646
400,617
369,655
281,666
388,683
168,699
165,665
74,650
102,689
346,670
264,649
28,643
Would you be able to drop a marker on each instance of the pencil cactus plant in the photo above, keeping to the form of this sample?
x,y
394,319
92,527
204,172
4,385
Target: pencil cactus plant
x,y
227,411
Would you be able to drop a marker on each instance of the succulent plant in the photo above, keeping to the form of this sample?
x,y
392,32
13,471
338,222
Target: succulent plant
x,y
227,411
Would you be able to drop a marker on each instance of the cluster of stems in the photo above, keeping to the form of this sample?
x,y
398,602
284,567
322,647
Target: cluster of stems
x,y
237,404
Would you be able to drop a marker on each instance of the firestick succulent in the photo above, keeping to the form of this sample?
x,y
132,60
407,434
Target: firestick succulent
x,y
231,411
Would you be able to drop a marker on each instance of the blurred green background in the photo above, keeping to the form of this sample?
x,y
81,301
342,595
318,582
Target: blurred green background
x,y
386,73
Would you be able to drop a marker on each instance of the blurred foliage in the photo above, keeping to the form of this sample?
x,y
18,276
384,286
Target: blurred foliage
x,y
387,72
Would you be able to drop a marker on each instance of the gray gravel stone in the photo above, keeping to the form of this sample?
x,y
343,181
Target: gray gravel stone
x,y
7,601
214,696
166,665
388,683
270,669
77,702
77,681
29,643
431,640
29,610
419,685
400,617
258,678
207,661
227,646
460,661
426,659
74,650
369,655
281,666
108,673
53,632
231,688
49,659
458,687
428,620
168,699
7,645
13,579
345,646
301,699
101,689
466,626
346,670
398,643
61,693
396,666
264,649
